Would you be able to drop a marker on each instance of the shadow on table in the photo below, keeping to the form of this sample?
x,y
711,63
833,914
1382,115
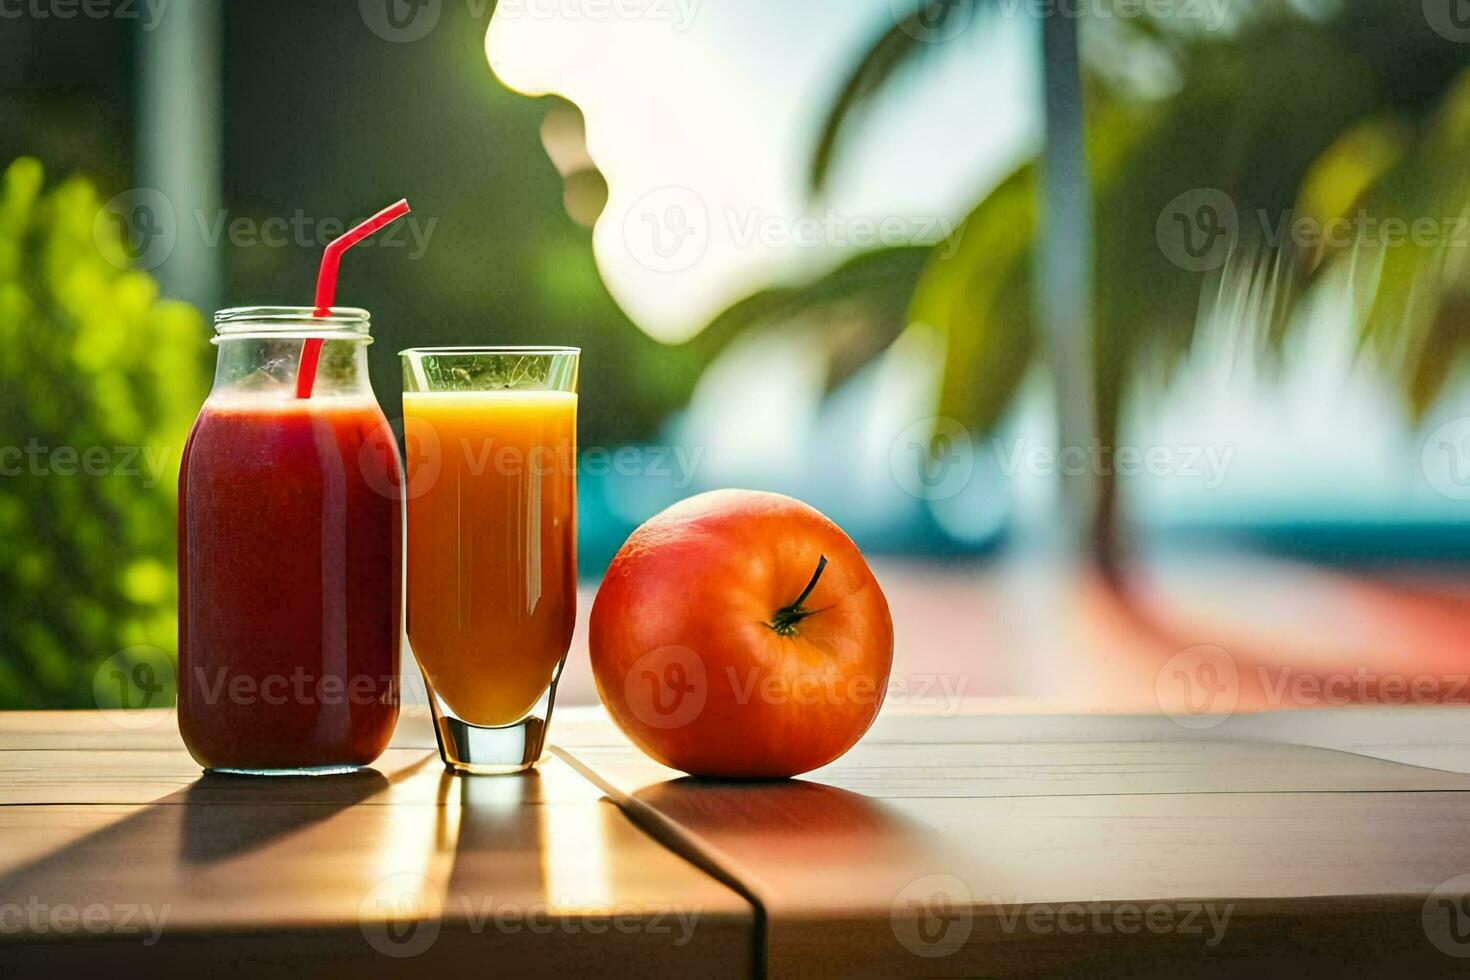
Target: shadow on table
x,y
213,830
214,819
802,832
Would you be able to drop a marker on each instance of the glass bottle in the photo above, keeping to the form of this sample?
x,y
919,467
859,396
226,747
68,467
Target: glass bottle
x,y
290,539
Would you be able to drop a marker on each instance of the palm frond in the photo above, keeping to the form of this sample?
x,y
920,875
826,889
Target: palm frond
x,y
860,307
977,292
1413,230
909,37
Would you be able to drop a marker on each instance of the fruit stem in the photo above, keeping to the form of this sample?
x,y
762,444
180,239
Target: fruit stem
x,y
786,618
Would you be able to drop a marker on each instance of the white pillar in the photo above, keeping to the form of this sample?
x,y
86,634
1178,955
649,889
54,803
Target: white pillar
x,y
178,139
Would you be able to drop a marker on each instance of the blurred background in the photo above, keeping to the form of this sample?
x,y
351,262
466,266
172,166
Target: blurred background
x,y
1127,339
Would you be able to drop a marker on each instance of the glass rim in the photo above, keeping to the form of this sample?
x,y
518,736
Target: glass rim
x,y
530,350
290,321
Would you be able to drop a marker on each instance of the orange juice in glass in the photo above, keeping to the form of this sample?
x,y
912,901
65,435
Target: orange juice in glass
x,y
491,436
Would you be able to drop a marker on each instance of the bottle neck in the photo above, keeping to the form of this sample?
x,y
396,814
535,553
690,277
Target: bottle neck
x,y
265,368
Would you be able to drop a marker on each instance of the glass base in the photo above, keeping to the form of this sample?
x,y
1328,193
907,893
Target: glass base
x,y
312,771
500,750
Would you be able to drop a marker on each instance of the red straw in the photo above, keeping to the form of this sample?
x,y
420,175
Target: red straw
x,y
326,288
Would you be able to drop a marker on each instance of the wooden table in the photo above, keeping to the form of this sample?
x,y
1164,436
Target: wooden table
x,y
981,844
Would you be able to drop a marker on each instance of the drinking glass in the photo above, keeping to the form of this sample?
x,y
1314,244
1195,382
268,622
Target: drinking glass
x,y
491,441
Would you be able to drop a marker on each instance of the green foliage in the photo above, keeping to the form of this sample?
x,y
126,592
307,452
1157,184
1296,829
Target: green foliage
x,y
980,297
101,380
1292,110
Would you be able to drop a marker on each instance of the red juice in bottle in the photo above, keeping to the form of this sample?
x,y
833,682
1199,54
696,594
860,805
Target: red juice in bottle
x,y
289,555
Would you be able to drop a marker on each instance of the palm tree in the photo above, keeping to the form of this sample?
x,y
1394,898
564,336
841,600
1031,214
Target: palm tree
x,y
1194,174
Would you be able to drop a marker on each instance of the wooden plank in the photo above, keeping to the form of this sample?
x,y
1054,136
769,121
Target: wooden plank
x,y
155,866
1433,736
978,770
996,841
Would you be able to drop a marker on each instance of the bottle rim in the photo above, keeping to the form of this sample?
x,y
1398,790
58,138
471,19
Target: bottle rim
x,y
267,322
